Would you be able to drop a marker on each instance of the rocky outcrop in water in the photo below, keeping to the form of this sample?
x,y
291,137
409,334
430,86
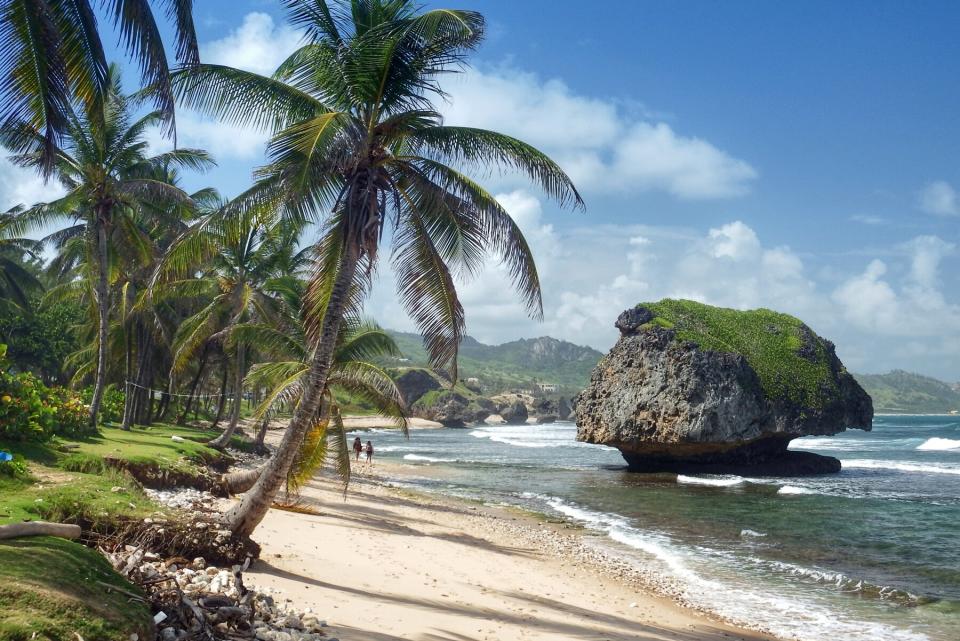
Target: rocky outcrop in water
x,y
414,383
692,388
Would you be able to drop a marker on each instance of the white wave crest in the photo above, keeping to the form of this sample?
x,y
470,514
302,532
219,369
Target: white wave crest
x,y
427,459
928,468
793,489
939,444
752,534
715,482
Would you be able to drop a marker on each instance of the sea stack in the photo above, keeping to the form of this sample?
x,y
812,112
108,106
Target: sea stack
x,y
694,388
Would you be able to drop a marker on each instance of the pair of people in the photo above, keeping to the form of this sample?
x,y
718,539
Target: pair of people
x,y
359,447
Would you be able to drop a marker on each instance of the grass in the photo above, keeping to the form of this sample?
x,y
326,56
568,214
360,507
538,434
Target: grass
x,y
790,360
53,590
76,485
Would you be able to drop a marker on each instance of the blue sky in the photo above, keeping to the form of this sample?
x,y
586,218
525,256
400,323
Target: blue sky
x,y
798,156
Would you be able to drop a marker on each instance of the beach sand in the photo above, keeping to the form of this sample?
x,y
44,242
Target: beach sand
x,y
386,564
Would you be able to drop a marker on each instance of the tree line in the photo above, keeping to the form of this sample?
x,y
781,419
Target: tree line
x,y
195,294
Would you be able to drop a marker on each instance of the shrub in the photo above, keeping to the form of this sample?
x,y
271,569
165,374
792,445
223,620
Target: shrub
x,y
111,407
15,468
30,411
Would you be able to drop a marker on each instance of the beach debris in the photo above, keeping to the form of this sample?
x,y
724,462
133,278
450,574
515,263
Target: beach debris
x,y
196,600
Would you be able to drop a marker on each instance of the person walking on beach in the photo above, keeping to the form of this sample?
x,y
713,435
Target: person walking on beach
x,y
357,447
369,451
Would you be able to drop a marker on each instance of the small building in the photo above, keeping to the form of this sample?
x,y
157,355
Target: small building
x,y
549,388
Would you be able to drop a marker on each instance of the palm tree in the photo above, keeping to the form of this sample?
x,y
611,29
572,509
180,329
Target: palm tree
x,y
244,264
352,374
104,166
358,147
16,280
51,58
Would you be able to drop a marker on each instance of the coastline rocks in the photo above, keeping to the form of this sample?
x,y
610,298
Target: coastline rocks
x,y
453,409
694,388
414,383
514,413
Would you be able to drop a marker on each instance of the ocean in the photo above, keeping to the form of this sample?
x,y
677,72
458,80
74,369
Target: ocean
x,y
871,553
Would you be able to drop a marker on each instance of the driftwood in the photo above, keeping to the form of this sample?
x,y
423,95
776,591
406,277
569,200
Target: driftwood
x,y
39,528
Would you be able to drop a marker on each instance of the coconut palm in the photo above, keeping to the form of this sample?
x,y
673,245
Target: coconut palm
x,y
358,147
104,166
352,375
51,57
243,264
17,282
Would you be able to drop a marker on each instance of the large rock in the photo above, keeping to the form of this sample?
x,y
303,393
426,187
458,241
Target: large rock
x,y
689,387
515,413
414,383
452,408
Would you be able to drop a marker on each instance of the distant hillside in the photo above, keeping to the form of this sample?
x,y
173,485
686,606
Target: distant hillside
x,y
905,392
515,364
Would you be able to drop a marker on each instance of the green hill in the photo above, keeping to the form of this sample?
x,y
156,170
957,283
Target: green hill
x,y
519,363
908,393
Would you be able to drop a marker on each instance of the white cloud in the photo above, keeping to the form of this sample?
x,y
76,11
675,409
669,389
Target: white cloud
x,y
223,140
939,198
599,145
19,186
257,45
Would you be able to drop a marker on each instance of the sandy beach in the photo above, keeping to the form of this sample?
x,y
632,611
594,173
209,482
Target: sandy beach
x,y
385,564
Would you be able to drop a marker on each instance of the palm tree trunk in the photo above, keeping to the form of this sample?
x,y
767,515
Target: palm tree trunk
x,y
128,389
222,401
247,514
258,445
101,291
182,419
221,441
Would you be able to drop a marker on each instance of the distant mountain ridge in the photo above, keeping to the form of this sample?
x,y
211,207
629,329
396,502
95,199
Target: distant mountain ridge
x,y
517,363
908,393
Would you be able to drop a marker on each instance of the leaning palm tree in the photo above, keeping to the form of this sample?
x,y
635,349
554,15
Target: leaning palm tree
x,y
352,375
51,57
358,147
104,166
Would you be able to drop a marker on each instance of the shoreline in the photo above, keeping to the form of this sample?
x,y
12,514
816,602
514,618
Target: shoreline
x,y
386,563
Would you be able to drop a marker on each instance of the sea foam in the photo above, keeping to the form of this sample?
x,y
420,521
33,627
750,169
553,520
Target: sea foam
x,y
929,468
939,444
715,481
793,489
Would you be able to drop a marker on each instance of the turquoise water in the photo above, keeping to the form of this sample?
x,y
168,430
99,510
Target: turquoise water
x,y
870,553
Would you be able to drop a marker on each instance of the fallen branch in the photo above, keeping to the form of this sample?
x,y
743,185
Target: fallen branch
x,y
40,528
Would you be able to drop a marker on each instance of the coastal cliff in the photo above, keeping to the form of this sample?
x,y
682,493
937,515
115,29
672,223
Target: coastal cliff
x,y
690,387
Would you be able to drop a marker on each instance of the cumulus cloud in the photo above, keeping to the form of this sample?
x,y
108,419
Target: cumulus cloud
x,y
600,145
257,45
939,198
19,186
223,140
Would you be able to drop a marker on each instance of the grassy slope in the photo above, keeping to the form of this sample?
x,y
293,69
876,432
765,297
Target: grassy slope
x,y
768,340
49,586
72,485
52,589
512,364
900,391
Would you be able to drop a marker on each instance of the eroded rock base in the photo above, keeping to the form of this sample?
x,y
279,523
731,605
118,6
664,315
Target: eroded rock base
x,y
765,457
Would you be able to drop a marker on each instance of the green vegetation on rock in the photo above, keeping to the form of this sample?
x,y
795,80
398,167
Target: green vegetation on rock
x,y
53,590
791,361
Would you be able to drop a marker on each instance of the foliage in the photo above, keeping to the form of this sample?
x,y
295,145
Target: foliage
x,y
40,340
52,589
14,468
111,408
909,393
29,410
790,360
